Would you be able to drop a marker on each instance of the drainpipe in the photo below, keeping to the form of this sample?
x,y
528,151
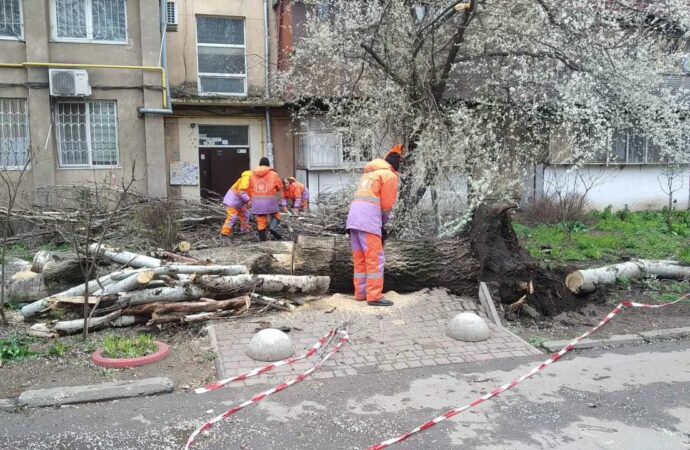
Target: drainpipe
x,y
267,95
164,64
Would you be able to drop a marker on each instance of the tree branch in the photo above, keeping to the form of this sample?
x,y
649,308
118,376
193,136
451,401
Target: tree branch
x,y
395,77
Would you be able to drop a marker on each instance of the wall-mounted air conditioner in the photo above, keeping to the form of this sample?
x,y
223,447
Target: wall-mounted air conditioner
x,y
171,17
69,83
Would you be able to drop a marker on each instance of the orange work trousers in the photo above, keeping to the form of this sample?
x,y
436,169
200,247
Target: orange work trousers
x,y
263,220
368,258
231,217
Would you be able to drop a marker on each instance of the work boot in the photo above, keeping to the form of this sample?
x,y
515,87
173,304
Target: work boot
x,y
276,235
382,302
262,236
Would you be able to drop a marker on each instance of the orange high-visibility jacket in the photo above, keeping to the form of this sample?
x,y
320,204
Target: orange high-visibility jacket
x,y
265,187
374,199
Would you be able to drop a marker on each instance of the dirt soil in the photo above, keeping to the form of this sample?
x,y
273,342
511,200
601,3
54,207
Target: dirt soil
x,y
629,321
190,365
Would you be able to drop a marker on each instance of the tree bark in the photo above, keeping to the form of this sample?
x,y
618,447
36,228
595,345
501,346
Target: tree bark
x,y
126,258
205,305
588,280
224,287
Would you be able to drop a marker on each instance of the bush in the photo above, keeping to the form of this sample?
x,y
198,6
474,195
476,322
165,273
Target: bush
x,y
14,348
568,209
158,222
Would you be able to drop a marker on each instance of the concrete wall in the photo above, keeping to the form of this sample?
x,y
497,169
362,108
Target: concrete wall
x,y
140,139
182,53
182,140
636,186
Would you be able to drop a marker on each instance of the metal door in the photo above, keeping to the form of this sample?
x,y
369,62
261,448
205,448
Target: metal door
x,y
219,168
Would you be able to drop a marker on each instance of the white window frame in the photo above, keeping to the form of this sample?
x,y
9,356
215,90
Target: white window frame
x,y
89,27
87,115
21,25
28,134
222,75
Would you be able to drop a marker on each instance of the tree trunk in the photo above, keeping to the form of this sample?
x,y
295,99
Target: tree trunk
x,y
205,305
224,287
135,281
75,326
588,280
126,258
26,286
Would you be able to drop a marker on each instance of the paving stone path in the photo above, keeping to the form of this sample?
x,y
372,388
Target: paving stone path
x,y
409,334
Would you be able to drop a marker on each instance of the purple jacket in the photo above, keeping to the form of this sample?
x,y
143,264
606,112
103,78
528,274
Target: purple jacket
x,y
374,198
265,187
234,199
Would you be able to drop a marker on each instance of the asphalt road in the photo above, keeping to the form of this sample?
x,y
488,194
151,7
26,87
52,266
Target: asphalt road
x,y
629,398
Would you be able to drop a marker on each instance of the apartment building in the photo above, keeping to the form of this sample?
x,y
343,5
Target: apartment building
x,y
221,56
78,80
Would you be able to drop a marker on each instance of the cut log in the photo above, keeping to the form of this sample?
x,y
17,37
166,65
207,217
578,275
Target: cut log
x,y
135,281
204,305
26,286
75,326
40,258
65,271
14,265
181,259
183,247
125,257
588,280
126,321
41,330
169,294
223,287
176,269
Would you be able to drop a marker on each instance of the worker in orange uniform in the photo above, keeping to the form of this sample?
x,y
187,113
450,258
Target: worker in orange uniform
x,y
235,201
370,211
265,188
295,193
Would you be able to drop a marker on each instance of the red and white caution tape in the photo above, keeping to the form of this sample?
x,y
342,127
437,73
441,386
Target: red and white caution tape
x,y
261,370
499,390
281,387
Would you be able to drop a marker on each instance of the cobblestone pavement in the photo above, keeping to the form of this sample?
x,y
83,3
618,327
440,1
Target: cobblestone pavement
x,y
408,335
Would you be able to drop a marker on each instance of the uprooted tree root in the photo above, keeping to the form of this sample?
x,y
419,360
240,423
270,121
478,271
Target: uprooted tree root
x,y
508,268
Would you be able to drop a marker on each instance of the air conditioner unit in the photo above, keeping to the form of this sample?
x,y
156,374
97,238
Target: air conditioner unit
x,y
69,83
171,17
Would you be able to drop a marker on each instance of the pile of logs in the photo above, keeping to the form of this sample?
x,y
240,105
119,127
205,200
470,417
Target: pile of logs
x,y
171,288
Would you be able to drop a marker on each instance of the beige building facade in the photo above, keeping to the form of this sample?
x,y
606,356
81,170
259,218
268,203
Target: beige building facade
x,y
225,118
80,130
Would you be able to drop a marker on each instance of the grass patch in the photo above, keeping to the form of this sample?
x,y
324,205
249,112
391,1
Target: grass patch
x,y
121,347
58,349
15,349
609,236
23,251
536,341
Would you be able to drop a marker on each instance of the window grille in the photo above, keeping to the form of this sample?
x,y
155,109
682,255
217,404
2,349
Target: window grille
x,y
87,133
14,133
11,19
90,20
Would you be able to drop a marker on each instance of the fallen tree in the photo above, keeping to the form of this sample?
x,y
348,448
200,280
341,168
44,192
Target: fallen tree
x,y
588,280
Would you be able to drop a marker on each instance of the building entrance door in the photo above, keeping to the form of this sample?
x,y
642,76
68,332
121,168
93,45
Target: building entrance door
x,y
223,156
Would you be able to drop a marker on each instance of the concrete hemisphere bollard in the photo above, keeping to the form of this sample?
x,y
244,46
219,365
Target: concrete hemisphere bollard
x,y
270,345
468,327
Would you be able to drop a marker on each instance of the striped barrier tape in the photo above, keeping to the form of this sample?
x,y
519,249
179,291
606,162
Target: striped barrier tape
x,y
281,387
261,370
499,390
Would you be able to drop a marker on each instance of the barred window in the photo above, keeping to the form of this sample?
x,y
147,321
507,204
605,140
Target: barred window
x,y
90,20
221,55
14,133
87,133
11,19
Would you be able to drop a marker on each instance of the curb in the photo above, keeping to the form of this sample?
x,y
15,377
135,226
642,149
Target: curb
x,y
95,392
127,363
622,339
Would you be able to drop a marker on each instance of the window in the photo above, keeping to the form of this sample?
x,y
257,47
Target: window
x,y
11,19
90,20
631,146
222,59
87,133
223,136
14,133
171,16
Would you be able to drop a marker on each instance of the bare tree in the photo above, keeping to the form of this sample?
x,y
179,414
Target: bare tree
x,y
100,204
670,182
